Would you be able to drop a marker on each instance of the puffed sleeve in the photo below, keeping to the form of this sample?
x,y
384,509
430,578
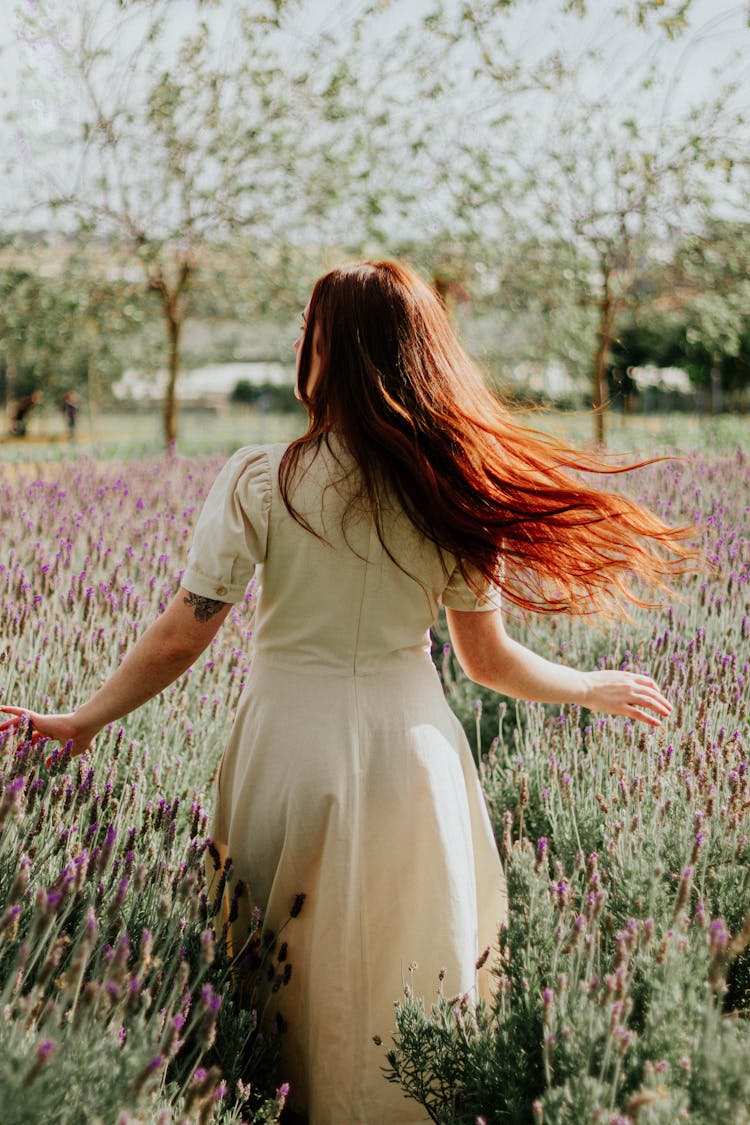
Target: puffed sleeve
x,y
459,595
231,535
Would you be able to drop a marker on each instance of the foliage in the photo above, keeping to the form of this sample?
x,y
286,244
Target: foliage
x,y
117,995
622,988
693,313
67,331
586,168
268,397
208,133
622,978
232,166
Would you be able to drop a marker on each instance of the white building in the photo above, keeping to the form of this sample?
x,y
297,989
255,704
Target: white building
x,y
663,378
201,386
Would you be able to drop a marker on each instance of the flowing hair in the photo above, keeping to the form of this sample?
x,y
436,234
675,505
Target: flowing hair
x,y
417,417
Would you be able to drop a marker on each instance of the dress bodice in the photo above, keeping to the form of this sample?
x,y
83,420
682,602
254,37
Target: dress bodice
x,y
330,595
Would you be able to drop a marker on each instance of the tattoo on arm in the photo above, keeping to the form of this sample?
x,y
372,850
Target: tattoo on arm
x,y
205,608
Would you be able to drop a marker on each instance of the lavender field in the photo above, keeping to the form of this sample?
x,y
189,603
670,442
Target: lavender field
x,y
623,978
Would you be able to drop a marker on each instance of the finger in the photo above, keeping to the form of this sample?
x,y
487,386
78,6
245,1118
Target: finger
x,y
659,701
653,712
15,724
11,724
646,683
642,716
20,711
655,703
650,690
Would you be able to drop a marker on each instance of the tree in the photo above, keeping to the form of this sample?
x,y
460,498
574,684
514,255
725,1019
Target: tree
x,y
63,329
695,312
588,188
621,195
180,140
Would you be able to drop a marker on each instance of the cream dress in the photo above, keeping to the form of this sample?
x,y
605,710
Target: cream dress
x,y
347,776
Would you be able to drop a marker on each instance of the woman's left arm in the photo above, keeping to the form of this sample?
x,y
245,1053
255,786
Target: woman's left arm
x,y
490,657
167,649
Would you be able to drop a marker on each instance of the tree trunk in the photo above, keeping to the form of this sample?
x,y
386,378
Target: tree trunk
x,y
174,329
172,296
716,398
600,395
92,387
10,389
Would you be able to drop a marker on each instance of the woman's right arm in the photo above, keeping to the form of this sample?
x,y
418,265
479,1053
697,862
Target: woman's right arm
x,y
169,646
490,657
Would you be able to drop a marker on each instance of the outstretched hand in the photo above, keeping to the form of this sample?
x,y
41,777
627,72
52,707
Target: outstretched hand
x,y
59,728
626,693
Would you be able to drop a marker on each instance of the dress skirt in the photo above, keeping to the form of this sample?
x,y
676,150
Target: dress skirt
x,y
360,792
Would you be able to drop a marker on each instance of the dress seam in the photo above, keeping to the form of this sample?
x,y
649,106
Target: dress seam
x,y
407,657
366,564
363,927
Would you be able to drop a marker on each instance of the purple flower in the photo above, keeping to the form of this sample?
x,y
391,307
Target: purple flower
x,y
46,1049
52,901
718,936
210,1000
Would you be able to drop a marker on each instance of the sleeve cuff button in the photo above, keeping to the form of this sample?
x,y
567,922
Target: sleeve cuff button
x,y
221,590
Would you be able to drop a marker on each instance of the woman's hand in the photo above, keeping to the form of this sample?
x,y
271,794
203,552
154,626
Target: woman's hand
x,y
60,728
625,693
488,655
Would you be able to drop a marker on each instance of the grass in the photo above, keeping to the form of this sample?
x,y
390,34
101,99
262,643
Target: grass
x,y
623,982
127,435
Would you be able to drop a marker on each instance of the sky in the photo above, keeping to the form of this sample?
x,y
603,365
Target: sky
x,y
719,27
687,69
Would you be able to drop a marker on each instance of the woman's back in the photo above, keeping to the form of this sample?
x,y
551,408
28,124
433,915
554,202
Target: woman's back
x,y
338,600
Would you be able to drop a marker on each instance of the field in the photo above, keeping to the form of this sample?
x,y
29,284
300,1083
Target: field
x,y
139,434
624,977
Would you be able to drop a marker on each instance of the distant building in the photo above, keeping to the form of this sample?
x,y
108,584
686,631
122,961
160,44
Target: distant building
x,y
553,380
662,378
209,386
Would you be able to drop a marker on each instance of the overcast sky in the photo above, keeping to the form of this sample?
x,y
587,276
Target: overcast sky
x,y
687,68
719,27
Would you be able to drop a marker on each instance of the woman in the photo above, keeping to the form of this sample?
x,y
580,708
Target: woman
x,y
346,776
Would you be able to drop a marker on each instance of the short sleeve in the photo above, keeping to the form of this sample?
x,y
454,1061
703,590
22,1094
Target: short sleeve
x,y
231,535
458,594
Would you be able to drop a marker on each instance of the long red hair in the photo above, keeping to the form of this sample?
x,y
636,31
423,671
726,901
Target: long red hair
x,y
415,413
